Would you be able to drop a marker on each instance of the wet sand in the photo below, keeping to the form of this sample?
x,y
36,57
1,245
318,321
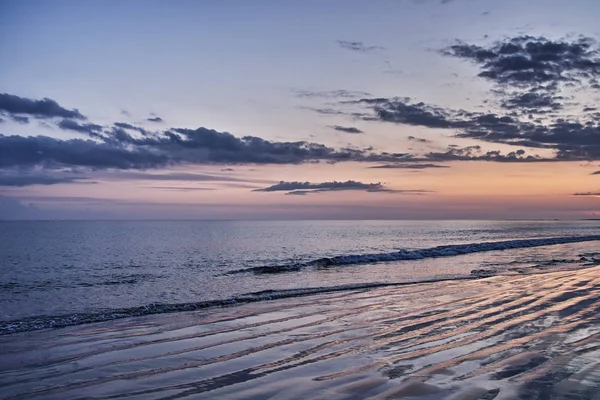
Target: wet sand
x,y
503,337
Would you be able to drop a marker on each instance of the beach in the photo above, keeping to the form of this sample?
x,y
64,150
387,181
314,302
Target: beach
x,y
531,336
280,200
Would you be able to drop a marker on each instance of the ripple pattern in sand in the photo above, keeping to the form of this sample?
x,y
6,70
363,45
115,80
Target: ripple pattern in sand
x,y
504,337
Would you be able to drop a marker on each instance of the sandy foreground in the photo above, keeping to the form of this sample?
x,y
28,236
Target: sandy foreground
x,y
504,337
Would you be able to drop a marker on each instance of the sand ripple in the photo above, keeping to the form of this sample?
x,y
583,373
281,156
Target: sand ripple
x,y
504,337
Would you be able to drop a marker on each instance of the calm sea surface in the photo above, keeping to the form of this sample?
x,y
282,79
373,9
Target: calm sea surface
x,y
53,270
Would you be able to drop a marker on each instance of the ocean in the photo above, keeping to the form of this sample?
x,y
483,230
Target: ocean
x,y
61,273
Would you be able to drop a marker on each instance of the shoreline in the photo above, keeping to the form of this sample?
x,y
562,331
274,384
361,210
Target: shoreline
x,y
502,337
44,322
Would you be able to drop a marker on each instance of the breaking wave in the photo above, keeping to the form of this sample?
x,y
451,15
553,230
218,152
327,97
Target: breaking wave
x,y
60,321
403,255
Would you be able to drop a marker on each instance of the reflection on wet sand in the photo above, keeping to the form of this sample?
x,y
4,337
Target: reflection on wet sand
x,y
504,337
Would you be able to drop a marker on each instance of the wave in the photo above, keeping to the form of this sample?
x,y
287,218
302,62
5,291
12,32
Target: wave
x,y
403,255
62,321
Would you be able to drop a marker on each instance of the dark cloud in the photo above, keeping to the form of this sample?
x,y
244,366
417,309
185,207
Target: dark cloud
x,y
476,153
45,108
117,149
90,129
409,166
530,72
14,178
51,153
154,119
416,139
527,61
125,125
588,194
304,188
207,145
299,192
571,139
401,110
346,129
20,119
305,192
358,46
533,102
348,185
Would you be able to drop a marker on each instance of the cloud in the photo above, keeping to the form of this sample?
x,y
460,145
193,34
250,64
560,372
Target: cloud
x,y
409,166
402,111
20,119
45,108
90,129
571,138
117,149
125,125
416,139
325,111
475,153
358,46
588,194
527,61
177,176
154,119
346,129
51,153
529,73
348,185
533,102
304,188
329,94
17,179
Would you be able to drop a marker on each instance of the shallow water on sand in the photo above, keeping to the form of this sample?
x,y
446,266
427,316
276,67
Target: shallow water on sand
x,y
71,272
503,337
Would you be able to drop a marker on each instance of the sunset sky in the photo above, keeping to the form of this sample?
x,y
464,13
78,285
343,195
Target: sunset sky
x,y
354,109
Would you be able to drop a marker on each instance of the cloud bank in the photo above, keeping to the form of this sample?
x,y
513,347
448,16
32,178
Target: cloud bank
x,y
19,107
304,188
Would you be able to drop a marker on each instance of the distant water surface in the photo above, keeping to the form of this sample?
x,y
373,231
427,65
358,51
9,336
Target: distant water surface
x,y
64,268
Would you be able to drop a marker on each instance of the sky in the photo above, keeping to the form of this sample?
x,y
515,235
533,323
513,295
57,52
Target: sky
x,y
354,109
